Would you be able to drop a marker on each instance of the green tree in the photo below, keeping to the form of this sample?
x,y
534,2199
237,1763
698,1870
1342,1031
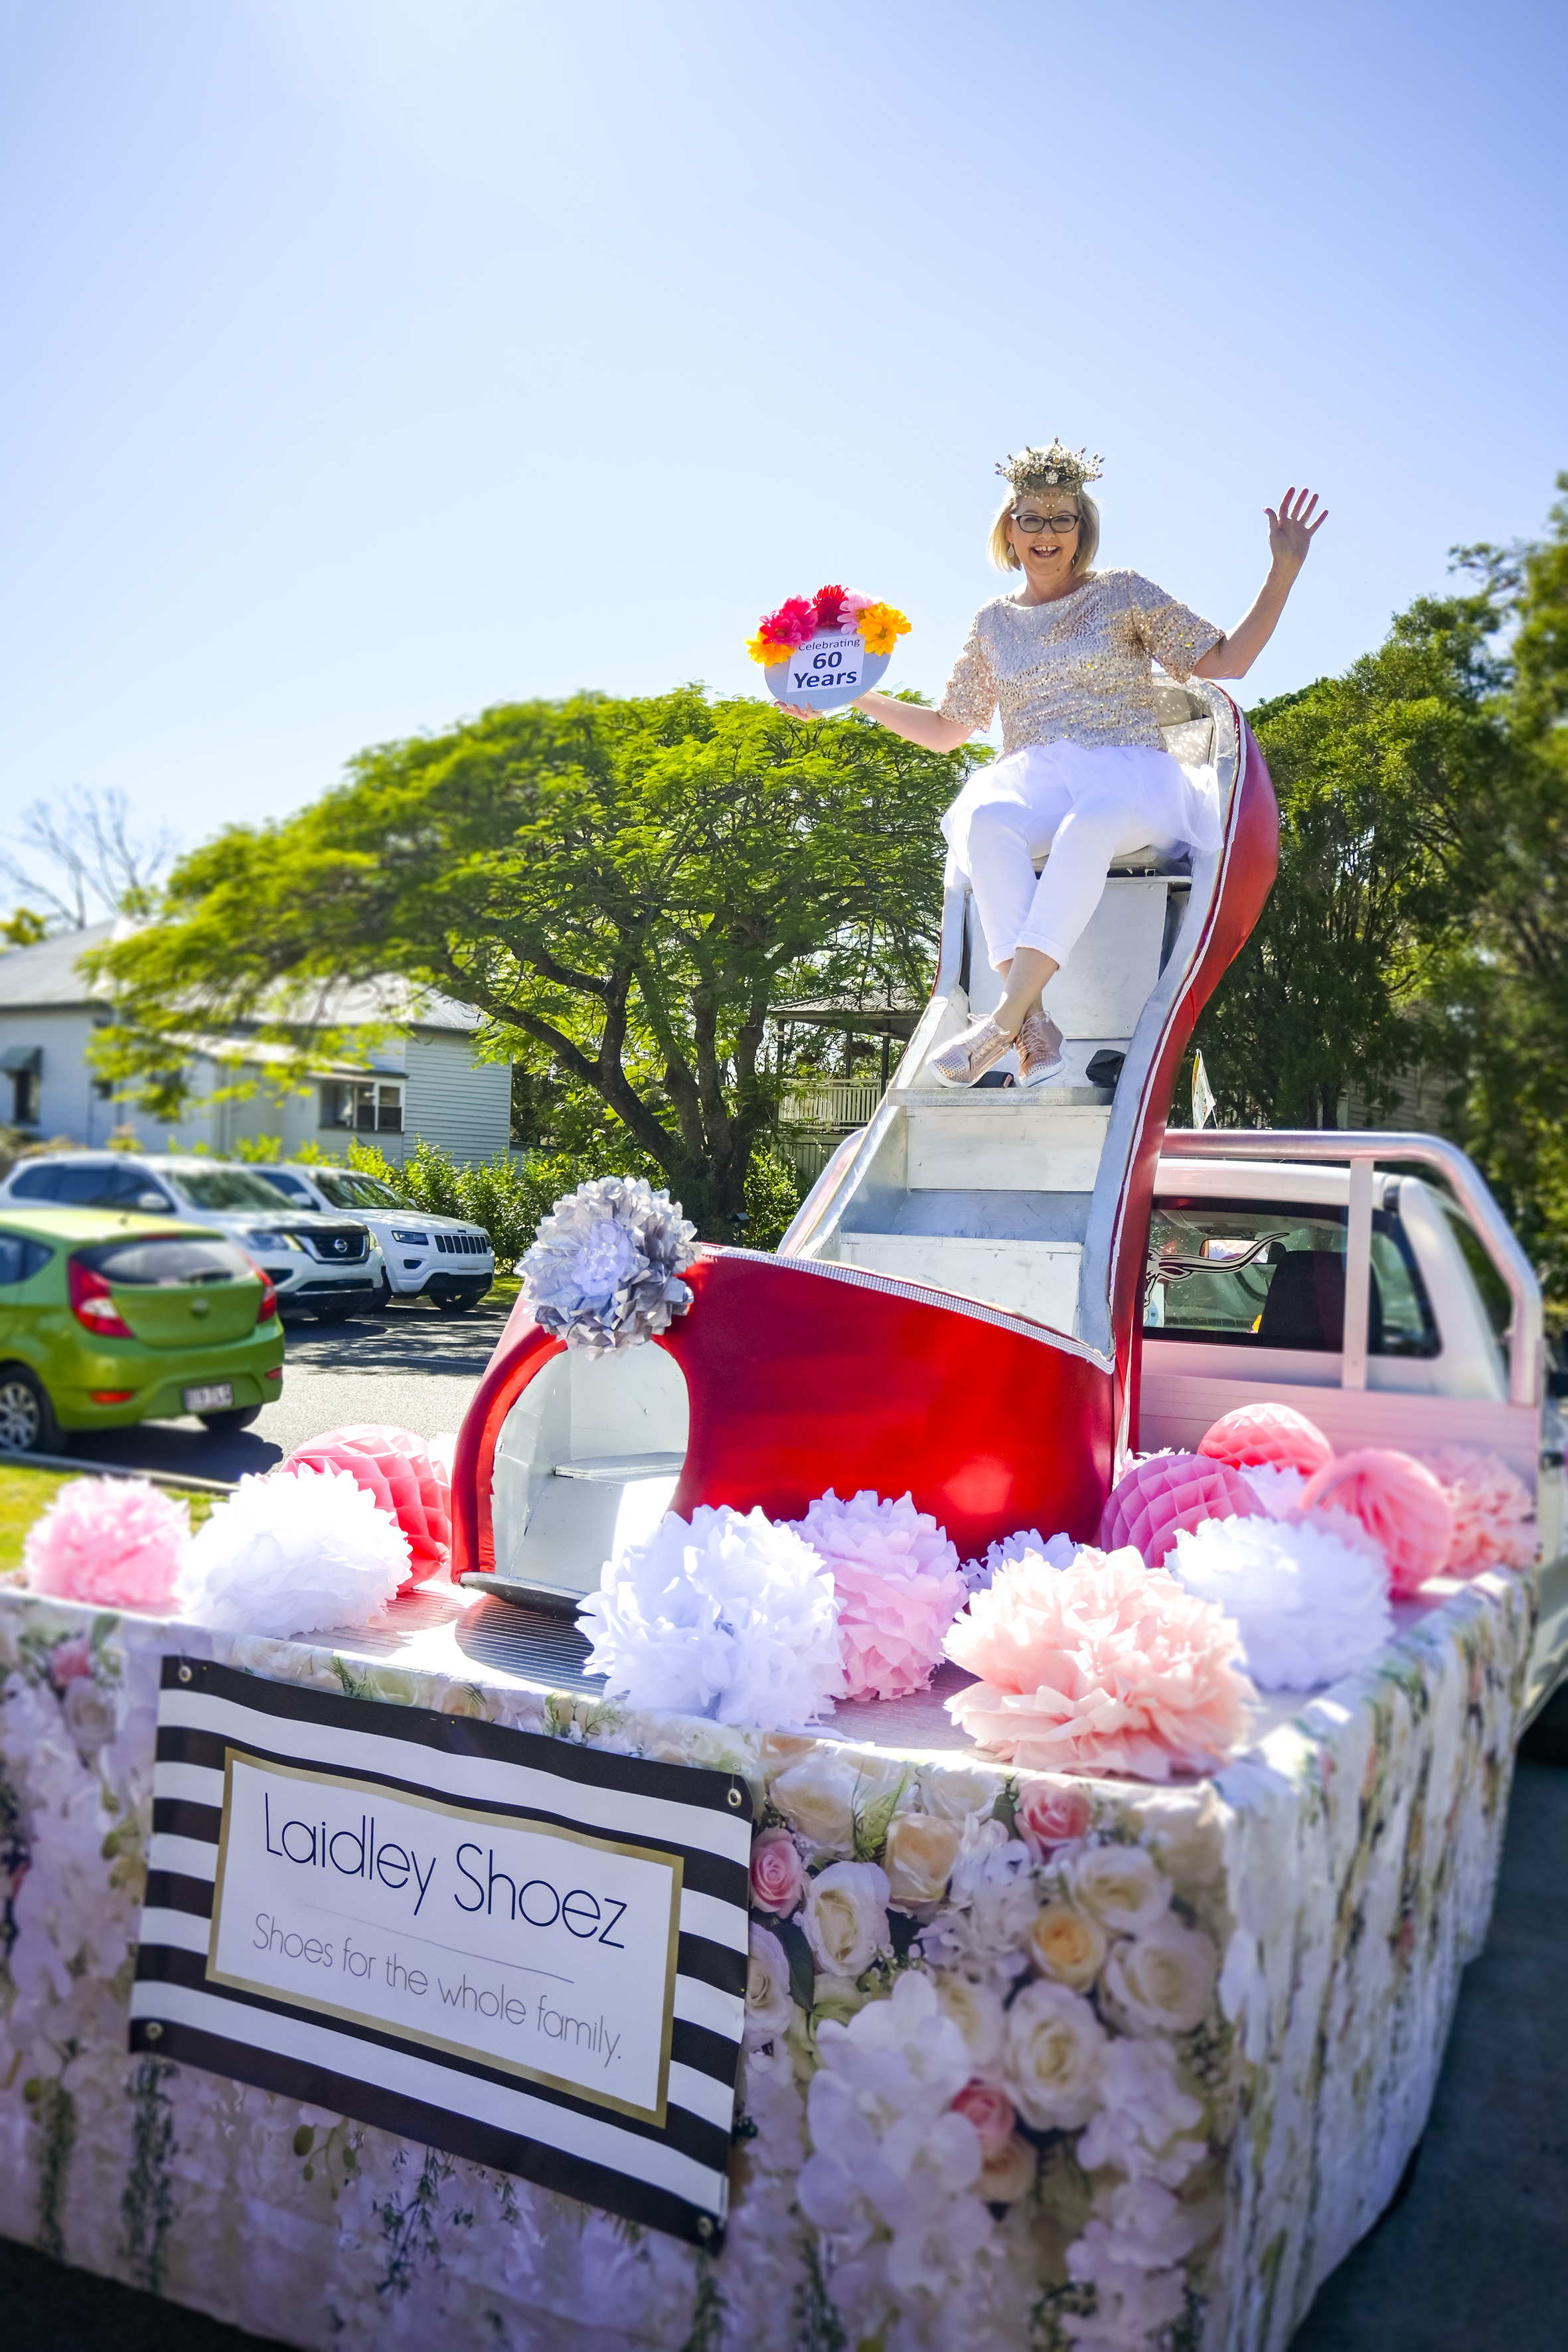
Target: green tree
x,y
1418,919
1382,777
623,887
1498,1010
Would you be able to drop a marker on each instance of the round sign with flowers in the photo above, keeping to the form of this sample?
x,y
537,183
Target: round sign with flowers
x,y
824,650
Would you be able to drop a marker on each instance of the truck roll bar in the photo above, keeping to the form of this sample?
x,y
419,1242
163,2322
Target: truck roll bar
x,y
1362,1148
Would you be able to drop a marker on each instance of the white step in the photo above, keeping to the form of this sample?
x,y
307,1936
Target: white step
x,y
1035,1279
991,1144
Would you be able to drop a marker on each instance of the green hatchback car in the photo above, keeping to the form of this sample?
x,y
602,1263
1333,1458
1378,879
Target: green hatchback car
x,y
106,1320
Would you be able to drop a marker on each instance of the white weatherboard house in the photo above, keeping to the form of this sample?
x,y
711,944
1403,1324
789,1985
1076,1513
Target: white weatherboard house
x,y
415,1078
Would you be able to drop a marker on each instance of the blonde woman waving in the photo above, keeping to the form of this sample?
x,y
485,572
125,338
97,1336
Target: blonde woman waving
x,y
1084,775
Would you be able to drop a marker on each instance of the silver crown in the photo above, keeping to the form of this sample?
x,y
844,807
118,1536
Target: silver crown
x,y
1051,470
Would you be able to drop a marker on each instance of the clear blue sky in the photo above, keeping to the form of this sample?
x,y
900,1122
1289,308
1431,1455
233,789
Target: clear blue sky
x,y
371,361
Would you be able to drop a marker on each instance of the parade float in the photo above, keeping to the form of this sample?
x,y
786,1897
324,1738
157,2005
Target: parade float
x,y
821,1826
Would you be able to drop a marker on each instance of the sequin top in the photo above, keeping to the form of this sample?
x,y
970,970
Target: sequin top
x,y
1076,669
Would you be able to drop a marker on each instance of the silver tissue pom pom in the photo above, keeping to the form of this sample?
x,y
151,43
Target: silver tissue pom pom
x,y
604,1272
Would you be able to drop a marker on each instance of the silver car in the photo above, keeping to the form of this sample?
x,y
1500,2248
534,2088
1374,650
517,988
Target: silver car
x,y
326,1266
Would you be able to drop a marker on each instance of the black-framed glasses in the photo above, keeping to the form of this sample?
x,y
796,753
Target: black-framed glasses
x,y
1060,524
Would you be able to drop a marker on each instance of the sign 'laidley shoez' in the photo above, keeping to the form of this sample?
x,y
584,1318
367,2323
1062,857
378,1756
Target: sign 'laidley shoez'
x,y
821,652
523,1951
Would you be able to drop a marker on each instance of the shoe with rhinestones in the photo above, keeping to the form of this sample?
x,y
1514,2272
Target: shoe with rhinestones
x,y
1039,1050
969,1056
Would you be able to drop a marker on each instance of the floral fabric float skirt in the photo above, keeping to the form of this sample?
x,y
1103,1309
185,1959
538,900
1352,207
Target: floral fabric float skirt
x,y
1031,2059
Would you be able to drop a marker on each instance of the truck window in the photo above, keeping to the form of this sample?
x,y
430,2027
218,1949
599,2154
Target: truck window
x,y
1494,1290
1264,1274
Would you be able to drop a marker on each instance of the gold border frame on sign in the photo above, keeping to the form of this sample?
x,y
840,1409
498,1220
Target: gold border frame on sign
x,y
674,1863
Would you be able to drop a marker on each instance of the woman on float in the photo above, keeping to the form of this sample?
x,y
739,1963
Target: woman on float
x,y
1083,774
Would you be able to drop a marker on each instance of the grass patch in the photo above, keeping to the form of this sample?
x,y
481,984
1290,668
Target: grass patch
x,y
26,1494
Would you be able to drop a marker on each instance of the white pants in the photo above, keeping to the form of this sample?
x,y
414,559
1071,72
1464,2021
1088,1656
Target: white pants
x,y
1078,807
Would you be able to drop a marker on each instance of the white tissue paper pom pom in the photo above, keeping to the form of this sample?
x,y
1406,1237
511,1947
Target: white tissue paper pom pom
x,y
1277,1486
1060,1552
304,1551
606,1269
728,1616
1309,1606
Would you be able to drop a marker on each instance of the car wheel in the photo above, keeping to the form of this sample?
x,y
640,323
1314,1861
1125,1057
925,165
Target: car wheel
x,y
28,1423
334,1311
223,1424
383,1299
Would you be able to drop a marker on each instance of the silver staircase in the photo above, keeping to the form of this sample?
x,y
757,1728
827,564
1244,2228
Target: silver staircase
x,y
1007,1196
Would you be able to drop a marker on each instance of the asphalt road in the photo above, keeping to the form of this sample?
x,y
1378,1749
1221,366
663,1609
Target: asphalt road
x,y
410,1366
1474,2258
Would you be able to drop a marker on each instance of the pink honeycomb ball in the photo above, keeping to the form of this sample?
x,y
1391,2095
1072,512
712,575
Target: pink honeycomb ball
x,y
1153,1502
1398,1502
1276,1434
406,1480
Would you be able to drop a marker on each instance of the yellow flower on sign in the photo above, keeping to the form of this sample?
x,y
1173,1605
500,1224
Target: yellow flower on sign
x,y
762,649
881,626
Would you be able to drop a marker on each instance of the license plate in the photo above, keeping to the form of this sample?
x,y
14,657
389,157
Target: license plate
x,y
210,1399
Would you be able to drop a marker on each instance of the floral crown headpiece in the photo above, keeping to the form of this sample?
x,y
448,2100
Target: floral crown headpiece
x,y
1051,470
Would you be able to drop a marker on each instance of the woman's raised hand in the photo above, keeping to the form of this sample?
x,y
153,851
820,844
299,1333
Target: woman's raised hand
x,y
1292,529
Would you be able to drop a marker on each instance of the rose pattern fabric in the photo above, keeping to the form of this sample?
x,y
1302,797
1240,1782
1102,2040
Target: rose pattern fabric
x,y
1119,2062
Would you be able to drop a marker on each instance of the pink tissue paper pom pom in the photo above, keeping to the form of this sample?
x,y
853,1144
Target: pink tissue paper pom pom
x,y
1401,1506
1152,1501
1494,1510
115,1543
1104,1666
405,1475
1273,1434
897,1584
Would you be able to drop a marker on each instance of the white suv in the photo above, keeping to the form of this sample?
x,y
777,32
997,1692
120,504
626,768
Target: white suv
x,y
444,1259
326,1265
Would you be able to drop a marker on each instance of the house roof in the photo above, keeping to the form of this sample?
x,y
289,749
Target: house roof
x,y
46,975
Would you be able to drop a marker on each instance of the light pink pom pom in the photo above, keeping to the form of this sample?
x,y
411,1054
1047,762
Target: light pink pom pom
x,y
897,1581
1401,1506
115,1543
1105,1667
1150,1503
407,1480
1494,1511
1276,1434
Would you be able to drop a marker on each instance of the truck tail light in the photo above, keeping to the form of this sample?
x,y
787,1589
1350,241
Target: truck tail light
x,y
92,1303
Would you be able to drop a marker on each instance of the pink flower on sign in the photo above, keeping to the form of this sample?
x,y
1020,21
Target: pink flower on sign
x,y
991,2113
778,1873
1050,1816
70,1662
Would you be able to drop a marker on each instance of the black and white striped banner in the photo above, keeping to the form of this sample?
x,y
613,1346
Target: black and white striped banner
x,y
516,1948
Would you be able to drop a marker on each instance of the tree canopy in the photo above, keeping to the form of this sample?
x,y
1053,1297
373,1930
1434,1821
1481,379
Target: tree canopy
x,y
1418,916
622,888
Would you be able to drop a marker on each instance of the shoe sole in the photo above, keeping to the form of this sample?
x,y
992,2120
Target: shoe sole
x,y
1042,1071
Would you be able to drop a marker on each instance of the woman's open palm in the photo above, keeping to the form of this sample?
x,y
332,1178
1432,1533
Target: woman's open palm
x,y
1292,529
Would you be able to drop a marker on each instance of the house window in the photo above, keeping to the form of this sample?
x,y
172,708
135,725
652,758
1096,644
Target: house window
x,y
366,1106
23,1065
